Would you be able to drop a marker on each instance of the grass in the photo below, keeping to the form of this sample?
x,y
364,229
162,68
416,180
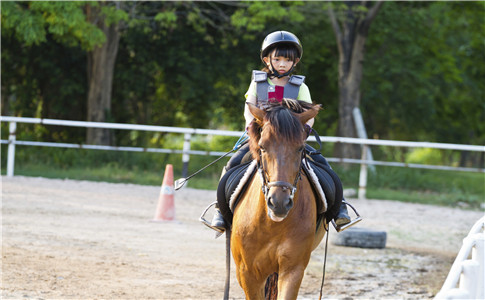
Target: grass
x,y
448,188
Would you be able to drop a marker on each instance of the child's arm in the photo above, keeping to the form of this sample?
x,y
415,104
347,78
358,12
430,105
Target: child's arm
x,y
248,116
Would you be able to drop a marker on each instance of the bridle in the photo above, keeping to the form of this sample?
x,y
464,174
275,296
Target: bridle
x,y
266,186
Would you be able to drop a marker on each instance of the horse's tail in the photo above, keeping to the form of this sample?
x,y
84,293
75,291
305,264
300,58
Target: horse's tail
x,y
228,264
271,287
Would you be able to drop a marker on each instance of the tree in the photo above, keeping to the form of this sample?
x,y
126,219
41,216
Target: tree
x,y
38,78
188,64
351,28
108,17
93,26
422,80
113,17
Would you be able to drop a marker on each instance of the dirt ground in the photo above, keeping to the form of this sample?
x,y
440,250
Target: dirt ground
x,y
66,239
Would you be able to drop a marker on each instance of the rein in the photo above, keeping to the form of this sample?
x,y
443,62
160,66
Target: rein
x,y
324,262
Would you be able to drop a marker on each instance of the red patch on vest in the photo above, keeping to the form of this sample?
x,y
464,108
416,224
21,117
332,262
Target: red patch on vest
x,y
277,94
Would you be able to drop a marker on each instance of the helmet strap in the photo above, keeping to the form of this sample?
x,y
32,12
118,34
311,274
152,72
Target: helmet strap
x,y
278,75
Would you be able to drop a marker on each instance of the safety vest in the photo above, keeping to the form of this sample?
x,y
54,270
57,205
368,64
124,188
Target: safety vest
x,y
265,91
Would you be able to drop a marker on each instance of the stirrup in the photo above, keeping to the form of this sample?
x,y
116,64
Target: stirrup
x,y
207,223
340,228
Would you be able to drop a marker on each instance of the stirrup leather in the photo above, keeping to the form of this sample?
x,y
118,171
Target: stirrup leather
x,y
340,228
207,223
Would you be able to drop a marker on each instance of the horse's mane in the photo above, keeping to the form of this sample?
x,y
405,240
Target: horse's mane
x,y
281,122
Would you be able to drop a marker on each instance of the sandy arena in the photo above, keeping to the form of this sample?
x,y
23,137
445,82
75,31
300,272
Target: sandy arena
x,y
66,239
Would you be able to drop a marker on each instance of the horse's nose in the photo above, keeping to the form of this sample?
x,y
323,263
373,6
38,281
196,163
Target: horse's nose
x,y
279,202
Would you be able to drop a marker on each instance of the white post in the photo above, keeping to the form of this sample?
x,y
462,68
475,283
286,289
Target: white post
x,y
478,255
11,148
452,294
469,277
469,274
361,133
186,156
363,174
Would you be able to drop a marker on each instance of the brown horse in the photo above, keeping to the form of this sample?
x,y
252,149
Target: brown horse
x,y
274,228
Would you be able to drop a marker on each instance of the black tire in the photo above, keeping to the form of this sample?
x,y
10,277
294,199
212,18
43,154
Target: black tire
x,y
361,238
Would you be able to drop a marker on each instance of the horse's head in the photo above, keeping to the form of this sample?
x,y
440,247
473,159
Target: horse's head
x,y
277,141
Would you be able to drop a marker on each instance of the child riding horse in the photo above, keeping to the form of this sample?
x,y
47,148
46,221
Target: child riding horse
x,y
281,51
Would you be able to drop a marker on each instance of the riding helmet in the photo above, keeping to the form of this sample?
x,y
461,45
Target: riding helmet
x,y
280,37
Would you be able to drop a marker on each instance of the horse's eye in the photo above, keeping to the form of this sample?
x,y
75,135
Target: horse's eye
x,y
301,148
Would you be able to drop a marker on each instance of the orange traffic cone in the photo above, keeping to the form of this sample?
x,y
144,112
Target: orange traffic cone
x,y
166,207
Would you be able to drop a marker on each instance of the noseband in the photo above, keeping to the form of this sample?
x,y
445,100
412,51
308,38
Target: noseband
x,y
266,186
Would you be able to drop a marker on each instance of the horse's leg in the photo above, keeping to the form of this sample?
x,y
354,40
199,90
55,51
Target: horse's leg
x,y
252,286
292,266
249,280
289,282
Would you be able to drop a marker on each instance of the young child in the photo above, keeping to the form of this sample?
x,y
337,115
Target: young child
x,y
281,51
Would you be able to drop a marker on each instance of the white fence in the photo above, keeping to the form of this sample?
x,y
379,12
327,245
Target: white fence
x,y
466,278
189,132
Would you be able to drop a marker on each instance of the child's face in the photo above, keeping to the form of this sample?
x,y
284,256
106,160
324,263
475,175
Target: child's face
x,y
281,64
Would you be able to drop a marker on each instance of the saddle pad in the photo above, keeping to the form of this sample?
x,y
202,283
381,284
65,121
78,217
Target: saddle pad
x,y
237,184
328,182
231,186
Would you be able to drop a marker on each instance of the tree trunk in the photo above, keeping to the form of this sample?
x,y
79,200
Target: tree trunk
x,y
100,69
351,33
5,105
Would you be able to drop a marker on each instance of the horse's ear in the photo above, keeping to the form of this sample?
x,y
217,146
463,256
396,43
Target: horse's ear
x,y
309,114
256,112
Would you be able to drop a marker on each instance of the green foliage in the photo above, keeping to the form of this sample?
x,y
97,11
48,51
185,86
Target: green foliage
x,y
113,14
189,64
422,80
427,186
31,22
426,156
167,19
257,14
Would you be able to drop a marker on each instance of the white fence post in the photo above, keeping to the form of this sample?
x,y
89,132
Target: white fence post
x,y
361,133
467,273
363,174
478,255
469,277
12,128
185,155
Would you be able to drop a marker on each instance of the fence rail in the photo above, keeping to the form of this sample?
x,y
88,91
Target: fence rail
x,y
466,278
189,132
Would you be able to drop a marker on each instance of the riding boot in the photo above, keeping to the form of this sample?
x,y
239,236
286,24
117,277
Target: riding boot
x,y
218,223
343,220
343,217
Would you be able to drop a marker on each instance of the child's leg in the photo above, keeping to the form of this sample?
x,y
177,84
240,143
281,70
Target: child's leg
x,y
343,215
218,222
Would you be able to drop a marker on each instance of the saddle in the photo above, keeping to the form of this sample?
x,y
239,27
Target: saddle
x,y
231,186
325,183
